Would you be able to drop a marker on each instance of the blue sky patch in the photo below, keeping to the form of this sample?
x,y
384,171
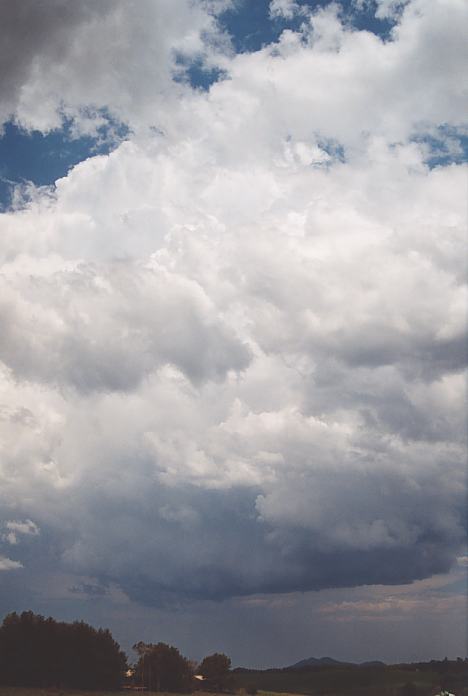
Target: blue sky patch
x,y
44,158
196,73
444,146
251,28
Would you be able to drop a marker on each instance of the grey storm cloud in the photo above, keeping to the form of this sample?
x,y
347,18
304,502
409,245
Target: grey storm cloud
x,y
231,362
49,48
163,547
88,589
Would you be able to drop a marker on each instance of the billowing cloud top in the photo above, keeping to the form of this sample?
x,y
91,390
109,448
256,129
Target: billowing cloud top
x,y
232,350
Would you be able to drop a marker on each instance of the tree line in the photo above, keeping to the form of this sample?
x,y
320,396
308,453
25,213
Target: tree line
x,y
161,667
41,652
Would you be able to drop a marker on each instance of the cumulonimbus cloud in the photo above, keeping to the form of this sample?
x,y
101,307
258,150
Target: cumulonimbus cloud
x,y
233,349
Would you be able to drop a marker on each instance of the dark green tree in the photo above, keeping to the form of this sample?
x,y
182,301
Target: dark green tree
x,y
40,652
216,670
161,667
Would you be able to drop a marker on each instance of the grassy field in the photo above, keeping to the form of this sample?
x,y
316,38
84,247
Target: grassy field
x,y
20,691
369,691
342,681
365,691
346,681
352,683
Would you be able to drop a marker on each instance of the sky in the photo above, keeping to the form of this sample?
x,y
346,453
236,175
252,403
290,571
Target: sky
x,y
233,323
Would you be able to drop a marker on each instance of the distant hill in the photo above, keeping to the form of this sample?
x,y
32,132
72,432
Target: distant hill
x,y
313,661
373,663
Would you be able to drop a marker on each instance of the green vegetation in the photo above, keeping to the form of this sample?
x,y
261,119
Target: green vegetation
x,y
22,691
43,657
216,670
40,652
161,667
54,656
421,679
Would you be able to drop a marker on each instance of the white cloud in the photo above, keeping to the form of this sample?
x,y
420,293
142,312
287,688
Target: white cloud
x,y
16,529
390,8
393,608
8,564
285,9
243,337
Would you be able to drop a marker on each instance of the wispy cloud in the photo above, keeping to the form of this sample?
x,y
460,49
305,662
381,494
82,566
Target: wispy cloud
x,y
8,564
15,529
